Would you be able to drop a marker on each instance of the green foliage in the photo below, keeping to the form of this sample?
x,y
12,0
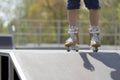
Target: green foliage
x,y
118,12
34,11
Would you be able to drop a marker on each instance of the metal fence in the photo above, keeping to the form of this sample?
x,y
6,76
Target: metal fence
x,y
38,32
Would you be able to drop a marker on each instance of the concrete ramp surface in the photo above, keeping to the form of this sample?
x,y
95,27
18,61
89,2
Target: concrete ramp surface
x,y
63,65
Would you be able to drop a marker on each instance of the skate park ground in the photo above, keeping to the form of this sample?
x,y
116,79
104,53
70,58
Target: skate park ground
x,y
63,65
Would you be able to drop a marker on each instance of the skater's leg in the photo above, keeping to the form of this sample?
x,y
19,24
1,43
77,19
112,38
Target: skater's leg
x,y
73,28
73,22
94,28
93,7
73,9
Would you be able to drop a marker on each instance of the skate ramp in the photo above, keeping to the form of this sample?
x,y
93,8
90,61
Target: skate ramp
x,y
63,65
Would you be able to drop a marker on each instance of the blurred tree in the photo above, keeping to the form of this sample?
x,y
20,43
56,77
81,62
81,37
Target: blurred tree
x,y
34,11
44,10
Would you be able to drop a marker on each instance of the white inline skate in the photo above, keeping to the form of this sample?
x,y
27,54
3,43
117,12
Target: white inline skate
x,y
95,41
73,41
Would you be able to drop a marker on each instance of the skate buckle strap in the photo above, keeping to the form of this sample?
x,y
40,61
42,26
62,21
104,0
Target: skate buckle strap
x,y
73,29
94,30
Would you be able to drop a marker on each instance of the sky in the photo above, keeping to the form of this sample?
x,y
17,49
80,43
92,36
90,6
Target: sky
x,y
7,10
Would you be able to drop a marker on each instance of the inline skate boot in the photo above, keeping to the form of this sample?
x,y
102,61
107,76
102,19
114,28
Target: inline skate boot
x,y
73,41
95,40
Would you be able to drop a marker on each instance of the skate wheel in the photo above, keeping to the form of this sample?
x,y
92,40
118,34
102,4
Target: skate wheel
x,y
95,49
77,50
68,50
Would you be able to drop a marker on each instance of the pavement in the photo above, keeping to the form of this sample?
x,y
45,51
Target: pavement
x,y
63,65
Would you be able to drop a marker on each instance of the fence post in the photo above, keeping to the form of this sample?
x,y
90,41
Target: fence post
x,y
58,32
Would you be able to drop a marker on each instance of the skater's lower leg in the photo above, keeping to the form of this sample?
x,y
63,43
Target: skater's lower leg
x,y
73,28
94,28
94,17
73,17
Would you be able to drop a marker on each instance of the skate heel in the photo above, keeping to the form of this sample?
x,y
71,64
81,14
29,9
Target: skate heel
x,y
68,44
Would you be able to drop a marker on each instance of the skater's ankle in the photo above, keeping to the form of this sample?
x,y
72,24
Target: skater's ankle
x,y
94,29
73,28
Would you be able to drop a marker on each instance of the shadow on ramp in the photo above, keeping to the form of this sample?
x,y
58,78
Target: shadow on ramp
x,y
111,60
